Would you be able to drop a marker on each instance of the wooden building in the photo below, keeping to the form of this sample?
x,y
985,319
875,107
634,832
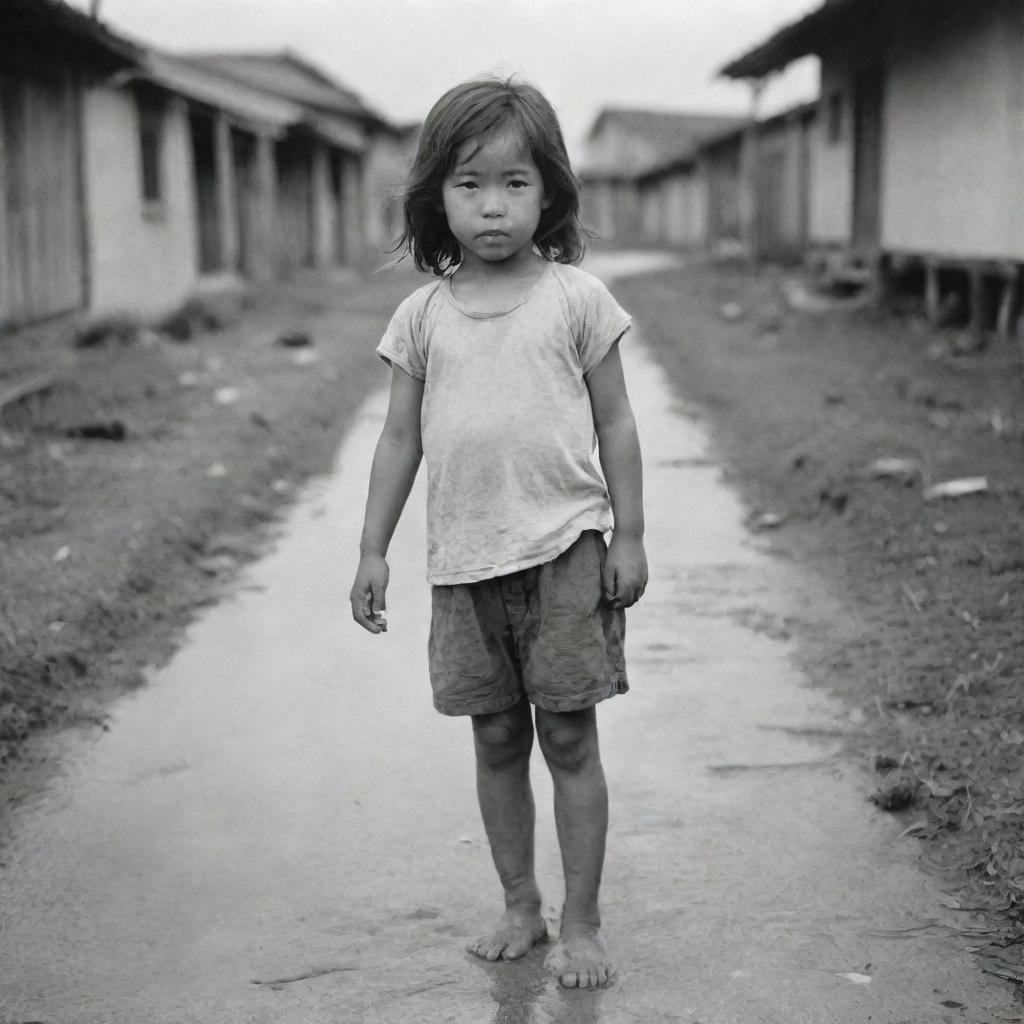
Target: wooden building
x,y
130,179
324,195
758,182
49,55
638,175
919,147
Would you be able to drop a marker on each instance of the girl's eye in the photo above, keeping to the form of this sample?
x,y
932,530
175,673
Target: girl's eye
x,y
518,184
466,184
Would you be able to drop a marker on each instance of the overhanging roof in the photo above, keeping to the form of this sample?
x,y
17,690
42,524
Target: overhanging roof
x,y
800,38
252,106
29,24
657,138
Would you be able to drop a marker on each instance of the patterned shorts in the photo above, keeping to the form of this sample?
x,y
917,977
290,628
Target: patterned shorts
x,y
545,633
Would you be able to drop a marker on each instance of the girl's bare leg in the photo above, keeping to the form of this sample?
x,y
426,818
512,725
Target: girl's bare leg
x,y
569,743
503,742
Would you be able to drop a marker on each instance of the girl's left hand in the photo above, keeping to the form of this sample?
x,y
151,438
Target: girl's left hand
x,y
625,571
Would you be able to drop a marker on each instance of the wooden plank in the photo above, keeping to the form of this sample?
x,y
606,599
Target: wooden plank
x,y
931,291
5,299
32,386
1007,302
978,305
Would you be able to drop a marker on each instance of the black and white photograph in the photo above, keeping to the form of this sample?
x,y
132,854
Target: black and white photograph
x,y
512,512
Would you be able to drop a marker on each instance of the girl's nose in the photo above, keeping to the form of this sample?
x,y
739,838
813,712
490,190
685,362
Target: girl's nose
x,y
494,203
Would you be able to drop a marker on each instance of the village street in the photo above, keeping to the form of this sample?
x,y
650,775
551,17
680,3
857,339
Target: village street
x,y
277,827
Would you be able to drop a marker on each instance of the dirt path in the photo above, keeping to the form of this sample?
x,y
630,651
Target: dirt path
x,y
833,426
278,828
113,541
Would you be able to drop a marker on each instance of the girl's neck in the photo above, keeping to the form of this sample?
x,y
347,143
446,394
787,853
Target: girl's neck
x,y
489,287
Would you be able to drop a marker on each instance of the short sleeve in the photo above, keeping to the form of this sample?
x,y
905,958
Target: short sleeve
x,y
602,321
402,343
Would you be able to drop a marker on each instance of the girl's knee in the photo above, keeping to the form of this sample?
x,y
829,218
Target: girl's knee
x,y
502,739
568,741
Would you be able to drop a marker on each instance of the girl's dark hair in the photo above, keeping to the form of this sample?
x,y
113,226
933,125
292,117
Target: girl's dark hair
x,y
474,110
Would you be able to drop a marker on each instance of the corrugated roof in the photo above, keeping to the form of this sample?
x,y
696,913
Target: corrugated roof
x,y
668,137
28,23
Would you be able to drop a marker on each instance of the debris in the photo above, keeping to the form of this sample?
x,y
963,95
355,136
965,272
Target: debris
x,y
799,297
767,521
834,398
111,430
857,979
893,467
216,565
295,339
112,328
26,389
1003,969
62,554
731,310
280,486
834,499
305,357
956,488
895,794
226,395
177,326
188,379
217,470
911,596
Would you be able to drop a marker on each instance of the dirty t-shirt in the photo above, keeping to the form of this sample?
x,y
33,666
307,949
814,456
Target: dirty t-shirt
x,y
507,427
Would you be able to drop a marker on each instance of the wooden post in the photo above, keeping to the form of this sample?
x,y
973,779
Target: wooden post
x,y
977,302
750,178
351,209
931,292
227,198
321,203
1007,301
265,253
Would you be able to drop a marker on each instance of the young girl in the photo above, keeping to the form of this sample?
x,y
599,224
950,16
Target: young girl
x,y
503,373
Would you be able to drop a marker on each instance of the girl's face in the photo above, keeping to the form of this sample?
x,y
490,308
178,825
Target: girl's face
x,y
493,198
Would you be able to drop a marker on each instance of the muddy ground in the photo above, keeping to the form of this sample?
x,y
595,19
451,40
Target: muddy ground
x,y
925,627
110,543
109,546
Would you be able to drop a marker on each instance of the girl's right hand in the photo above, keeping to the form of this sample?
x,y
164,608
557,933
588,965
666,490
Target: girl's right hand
x,y
367,595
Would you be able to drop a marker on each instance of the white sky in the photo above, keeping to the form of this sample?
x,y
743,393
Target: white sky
x,y
400,55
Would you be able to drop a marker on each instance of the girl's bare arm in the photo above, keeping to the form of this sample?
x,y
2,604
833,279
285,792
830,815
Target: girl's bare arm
x,y
625,576
395,462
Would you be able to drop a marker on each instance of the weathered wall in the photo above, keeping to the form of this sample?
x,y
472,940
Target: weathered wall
x,y
141,260
830,202
682,212
953,149
782,180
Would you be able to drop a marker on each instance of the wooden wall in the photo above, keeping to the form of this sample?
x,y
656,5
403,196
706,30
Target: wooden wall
x,y
41,234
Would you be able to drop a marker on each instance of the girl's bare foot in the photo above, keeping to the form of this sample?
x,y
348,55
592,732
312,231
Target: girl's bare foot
x,y
581,960
521,928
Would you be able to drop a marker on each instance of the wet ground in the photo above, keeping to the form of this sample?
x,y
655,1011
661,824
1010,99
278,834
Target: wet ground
x,y
279,828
